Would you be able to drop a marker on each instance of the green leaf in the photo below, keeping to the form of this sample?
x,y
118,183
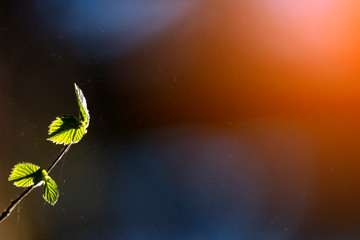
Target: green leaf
x,y
84,112
51,192
65,130
26,174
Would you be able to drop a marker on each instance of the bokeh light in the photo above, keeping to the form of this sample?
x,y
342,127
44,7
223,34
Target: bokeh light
x,y
209,119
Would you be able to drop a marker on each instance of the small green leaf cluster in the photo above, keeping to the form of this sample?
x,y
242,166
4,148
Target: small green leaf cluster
x,y
66,130
28,174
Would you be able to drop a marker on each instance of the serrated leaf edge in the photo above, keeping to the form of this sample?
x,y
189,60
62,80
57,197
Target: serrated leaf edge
x,y
79,93
59,143
58,193
13,170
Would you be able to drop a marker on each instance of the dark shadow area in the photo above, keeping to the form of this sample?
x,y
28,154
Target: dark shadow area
x,y
209,119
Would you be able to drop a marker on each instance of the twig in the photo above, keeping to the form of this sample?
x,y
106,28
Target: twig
x,y
15,202
61,154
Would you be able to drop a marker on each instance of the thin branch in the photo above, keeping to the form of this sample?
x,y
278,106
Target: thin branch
x,y
15,202
61,154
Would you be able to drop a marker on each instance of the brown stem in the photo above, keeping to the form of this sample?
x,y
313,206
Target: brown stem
x,y
61,154
15,202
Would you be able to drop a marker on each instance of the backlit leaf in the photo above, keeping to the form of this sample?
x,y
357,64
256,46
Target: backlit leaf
x,y
65,130
51,192
25,174
84,112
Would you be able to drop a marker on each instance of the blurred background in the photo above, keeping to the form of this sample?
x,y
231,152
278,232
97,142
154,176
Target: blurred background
x,y
210,120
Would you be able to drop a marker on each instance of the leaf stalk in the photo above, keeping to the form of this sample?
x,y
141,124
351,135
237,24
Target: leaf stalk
x,y
15,202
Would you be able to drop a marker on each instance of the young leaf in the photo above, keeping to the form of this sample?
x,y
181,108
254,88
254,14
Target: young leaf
x,y
25,175
66,129
51,192
84,112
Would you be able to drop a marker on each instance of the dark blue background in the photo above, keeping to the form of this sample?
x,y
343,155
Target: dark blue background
x,y
181,143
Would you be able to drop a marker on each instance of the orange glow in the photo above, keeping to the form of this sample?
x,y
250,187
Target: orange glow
x,y
300,55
